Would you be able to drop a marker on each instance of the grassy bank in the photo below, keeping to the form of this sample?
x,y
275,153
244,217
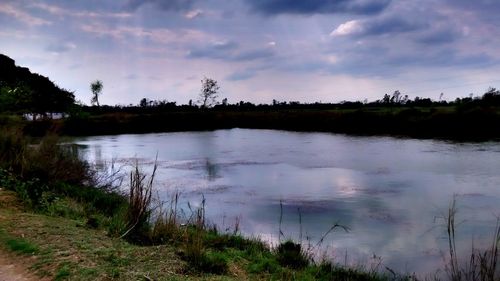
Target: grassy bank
x,y
61,248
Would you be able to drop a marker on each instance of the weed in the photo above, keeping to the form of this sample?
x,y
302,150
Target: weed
x,y
291,254
264,264
482,264
295,255
63,272
21,245
214,262
117,224
166,225
139,206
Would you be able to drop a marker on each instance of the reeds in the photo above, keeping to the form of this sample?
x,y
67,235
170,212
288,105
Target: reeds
x,y
139,208
299,254
482,264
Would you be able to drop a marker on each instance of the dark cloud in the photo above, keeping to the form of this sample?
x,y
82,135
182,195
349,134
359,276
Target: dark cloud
x,y
387,62
60,48
241,75
229,51
365,7
446,57
484,5
439,37
254,54
168,5
394,24
217,50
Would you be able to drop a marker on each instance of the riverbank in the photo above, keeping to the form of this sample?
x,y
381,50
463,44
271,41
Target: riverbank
x,y
58,248
55,247
445,122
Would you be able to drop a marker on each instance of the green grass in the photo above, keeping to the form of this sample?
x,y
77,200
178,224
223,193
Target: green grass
x,y
17,244
66,249
62,273
20,245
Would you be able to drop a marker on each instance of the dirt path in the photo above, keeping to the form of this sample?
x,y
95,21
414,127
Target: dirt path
x,y
11,270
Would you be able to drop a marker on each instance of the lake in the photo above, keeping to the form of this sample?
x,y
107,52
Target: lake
x,y
391,193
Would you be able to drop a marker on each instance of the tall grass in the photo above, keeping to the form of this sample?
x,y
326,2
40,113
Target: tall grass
x,y
139,205
299,254
166,225
482,264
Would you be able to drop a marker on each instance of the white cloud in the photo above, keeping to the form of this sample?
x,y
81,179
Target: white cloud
x,y
21,15
58,11
193,14
348,28
332,59
157,35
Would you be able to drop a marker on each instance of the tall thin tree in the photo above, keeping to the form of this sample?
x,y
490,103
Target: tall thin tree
x,y
208,94
96,88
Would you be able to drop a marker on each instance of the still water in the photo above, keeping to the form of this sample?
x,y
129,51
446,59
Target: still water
x,y
391,193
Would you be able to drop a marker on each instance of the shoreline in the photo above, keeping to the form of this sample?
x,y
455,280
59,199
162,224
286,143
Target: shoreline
x,y
475,126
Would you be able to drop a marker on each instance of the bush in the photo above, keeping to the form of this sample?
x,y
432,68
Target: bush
x,y
290,254
264,264
12,150
208,262
52,163
29,191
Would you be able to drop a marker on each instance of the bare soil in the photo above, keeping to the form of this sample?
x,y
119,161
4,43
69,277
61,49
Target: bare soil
x,y
12,270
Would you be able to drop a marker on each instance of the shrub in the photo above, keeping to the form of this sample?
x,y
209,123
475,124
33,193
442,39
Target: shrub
x,y
264,264
52,163
213,262
208,262
12,150
290,254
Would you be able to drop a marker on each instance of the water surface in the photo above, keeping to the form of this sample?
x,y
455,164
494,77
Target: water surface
x,y
391,193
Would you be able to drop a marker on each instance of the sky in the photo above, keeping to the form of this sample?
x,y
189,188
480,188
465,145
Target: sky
x,y
257,50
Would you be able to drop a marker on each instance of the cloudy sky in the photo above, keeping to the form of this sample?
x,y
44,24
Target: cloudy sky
x,y
258,50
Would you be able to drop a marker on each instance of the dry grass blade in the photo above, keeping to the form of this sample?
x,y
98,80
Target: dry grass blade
x,y
141,191
482,264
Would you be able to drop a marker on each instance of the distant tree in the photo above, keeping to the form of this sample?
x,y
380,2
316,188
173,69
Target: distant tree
x,y
208,94
396,97
96,88
144,102
405,99
224,101
491,97
386,99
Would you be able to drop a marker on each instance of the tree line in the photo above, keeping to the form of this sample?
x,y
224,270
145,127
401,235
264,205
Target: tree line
x,y
24,92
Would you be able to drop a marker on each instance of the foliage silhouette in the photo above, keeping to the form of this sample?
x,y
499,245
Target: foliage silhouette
x,y
96,88
208,94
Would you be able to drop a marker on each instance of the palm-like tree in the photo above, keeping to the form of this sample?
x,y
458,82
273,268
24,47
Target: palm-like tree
x,y
96,88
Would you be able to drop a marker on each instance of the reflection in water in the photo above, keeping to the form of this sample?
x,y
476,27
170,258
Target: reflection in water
x,y
212,170
387,191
